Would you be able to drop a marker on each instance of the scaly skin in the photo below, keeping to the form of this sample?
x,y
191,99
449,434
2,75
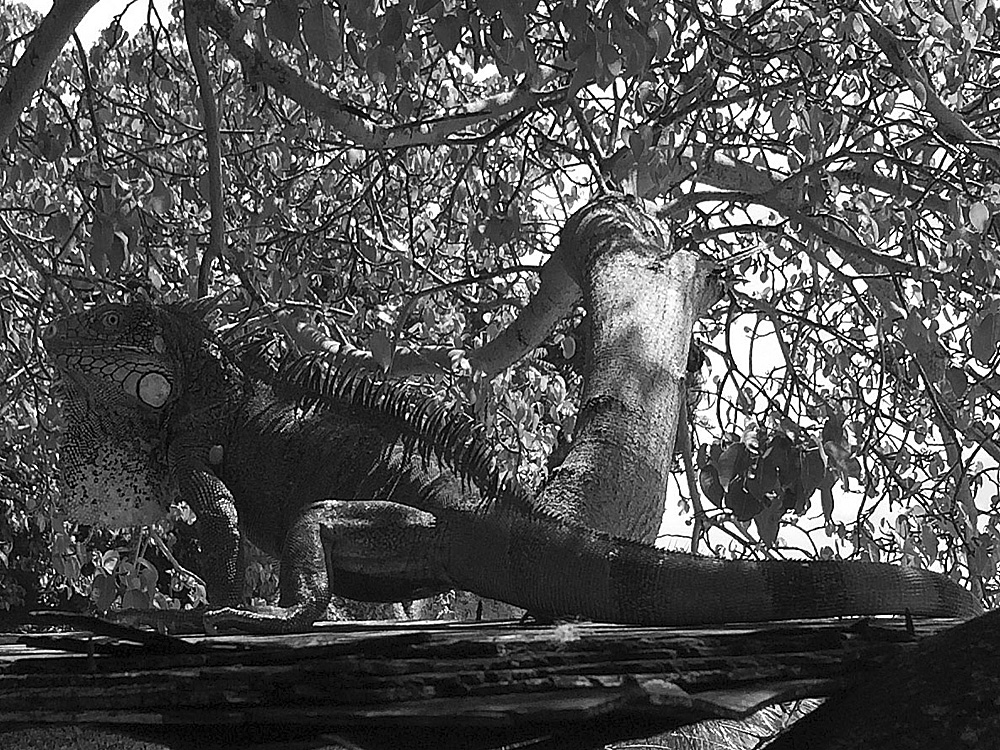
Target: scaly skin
x,y
353,506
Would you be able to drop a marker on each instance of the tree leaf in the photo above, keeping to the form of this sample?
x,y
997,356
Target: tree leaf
x,y
513,14
826,496
768,522
103,592
984,340
321,32
781,117
979,216
71,567
711,487
101,235
148,575
381,67
368,251
448,32
354,50
405,105
919,90
732,463
51,143
282,20
662,37
568,346
586,69
117,252
812,472
929,542
58,226
160,199
392,27
780,459
743,505
833,429
110,560
958,381
136,599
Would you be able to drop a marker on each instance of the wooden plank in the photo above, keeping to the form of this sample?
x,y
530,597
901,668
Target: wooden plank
x,y
438,674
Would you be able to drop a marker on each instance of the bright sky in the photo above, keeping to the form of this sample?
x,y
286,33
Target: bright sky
x,y
101,15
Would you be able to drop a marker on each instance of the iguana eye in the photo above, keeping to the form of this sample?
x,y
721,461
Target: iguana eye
x,y
111,319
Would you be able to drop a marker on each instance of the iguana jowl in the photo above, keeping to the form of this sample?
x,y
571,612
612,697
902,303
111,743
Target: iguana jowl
x,y
375,493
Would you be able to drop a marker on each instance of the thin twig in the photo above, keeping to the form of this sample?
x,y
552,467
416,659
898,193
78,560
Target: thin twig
x,y
594,154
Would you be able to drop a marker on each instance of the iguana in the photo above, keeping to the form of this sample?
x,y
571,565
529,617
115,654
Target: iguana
x,y
378,493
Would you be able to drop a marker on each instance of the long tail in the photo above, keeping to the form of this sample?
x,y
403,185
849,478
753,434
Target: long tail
x,y
558,569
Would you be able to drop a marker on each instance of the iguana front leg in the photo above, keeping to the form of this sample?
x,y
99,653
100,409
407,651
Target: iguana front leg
x,y
218,528
361,549
221,564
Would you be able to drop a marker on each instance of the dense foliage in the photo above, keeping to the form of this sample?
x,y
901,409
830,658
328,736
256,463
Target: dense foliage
x,y
399,179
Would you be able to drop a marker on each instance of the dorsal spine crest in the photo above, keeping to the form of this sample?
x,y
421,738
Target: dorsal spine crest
x,y
426,427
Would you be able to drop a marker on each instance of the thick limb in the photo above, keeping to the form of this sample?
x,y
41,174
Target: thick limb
x,y
221,564
368,550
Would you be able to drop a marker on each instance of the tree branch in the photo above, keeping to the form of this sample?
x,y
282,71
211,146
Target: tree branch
x,y
852,250
33,66
685,446
345,118
210,114
719,170
594,153
556,295
753,185
950,123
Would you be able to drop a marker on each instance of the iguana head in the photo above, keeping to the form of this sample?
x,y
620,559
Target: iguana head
x,y
122,369
117,351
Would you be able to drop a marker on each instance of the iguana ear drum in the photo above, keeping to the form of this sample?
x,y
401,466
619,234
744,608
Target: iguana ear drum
x,y
152,388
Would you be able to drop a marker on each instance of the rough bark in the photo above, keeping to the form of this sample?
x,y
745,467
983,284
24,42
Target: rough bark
x,y
643,299
557,294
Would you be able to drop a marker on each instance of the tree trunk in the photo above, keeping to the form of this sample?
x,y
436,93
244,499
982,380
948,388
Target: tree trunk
x,y
643,298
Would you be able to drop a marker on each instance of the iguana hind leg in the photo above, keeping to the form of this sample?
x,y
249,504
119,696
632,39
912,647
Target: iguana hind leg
x,y
370,550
